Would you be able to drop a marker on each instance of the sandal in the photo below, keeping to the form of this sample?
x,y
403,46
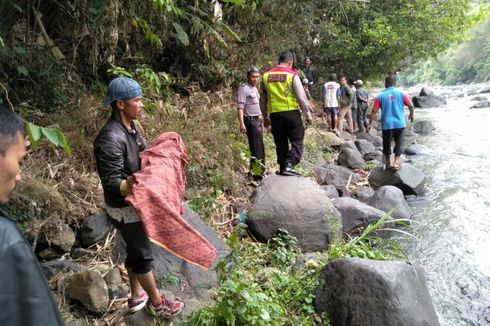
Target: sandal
x,y
396,167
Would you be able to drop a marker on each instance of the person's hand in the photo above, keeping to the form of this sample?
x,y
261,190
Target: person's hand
x,y
267,122
410,117
309,119
368,128
242,128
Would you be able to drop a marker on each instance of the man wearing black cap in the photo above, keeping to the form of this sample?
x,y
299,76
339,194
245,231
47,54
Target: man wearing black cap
x,y
249,120
117,149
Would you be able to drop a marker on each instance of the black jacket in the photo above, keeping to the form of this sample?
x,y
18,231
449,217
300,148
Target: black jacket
x,y
25,297
116,151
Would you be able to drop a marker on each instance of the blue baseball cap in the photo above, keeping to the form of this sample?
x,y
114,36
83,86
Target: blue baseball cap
x,y
122,88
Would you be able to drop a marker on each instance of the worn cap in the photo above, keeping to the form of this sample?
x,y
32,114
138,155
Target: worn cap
x,y
359,82
122,88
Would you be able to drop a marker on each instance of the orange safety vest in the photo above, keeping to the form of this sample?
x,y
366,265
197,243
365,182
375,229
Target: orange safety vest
x,y
278,82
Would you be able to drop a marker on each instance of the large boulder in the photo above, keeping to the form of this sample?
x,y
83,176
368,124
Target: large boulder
x,y
356,214
425,91
368,292
423,127
364,146
296,204
373,139
408,178
335,175
480,105
351,145
94,228
374,155
416,149
386,198
351,158
428,101
330,191
485,89
166,264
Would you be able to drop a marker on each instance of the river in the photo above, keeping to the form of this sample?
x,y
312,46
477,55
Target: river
x,y
454,213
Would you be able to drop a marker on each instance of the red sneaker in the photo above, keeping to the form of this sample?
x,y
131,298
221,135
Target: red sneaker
x,y
166,309
138,303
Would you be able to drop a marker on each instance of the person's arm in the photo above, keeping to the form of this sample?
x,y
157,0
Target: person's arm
x,y
109,157
300,94
409,103
240,121
241,99
374,112
263,107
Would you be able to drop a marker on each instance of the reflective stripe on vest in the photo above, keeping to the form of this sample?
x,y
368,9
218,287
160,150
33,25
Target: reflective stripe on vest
x,y
279,84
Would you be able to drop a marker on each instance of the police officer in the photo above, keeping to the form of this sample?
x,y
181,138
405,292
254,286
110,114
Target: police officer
x,y
282,92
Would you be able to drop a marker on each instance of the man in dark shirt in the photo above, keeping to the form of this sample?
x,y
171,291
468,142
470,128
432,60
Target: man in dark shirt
x,y
310,74
25,297
116,149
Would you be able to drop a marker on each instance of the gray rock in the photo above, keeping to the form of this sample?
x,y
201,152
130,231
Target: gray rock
x,y
363,194
409,179
350,145
432,101
423,127
300,207
53,267
485,89
425,91
94,228
90,289
388,197
335,175
351,158
479,98
346,136
321,137
64,238
369,292
166,265
115,286
330,191
480,105
364,146
374,155
373,139
356,214
416,149
409,133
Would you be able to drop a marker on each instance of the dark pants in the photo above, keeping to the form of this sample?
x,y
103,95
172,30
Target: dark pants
x,y
361,116
255,141
354,118
138,247
287,127
398,136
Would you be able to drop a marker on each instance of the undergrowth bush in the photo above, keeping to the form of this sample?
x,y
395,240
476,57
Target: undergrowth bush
x,y
271,284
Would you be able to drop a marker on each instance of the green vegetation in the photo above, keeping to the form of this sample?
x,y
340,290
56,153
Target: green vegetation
x,y
272,284
468,62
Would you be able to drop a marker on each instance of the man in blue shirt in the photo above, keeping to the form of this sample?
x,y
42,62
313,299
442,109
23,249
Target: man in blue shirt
x,y
392,103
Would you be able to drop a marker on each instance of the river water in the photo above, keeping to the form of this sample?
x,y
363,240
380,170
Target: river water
x,y
454,213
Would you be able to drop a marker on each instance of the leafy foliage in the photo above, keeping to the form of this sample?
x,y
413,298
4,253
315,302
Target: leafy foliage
x,y
468,62
258,286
